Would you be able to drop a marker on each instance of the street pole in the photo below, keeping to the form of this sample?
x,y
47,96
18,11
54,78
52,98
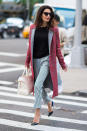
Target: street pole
x,y
77,54
28,5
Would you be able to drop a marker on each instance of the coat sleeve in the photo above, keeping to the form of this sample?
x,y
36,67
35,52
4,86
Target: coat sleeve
x,y
58,51
28,57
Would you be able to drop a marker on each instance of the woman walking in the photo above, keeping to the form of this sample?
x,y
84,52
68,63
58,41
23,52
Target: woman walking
x,y
44,46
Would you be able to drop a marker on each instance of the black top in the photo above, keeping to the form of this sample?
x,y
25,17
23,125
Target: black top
x,y
40,48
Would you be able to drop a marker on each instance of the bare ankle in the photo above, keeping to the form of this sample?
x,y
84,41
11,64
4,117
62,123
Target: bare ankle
x,y
37,115
37,111
49,106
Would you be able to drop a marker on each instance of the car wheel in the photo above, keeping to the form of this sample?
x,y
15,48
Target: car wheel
x,y
1,35
5,35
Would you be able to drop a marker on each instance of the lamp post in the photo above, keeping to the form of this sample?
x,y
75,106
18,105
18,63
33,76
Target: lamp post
x,y
77,54
27,5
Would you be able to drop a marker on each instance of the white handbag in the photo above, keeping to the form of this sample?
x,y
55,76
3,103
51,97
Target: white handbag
x,y
25,83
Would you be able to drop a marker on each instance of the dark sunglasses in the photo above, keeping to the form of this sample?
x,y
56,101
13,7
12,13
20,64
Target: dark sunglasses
x,y
46,14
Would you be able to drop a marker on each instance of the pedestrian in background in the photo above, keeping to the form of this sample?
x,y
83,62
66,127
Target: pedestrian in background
x,y
83,14
62,32
63,41
84,30
44,46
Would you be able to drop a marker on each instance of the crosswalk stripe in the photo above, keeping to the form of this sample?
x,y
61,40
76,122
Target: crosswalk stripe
x,y
28,126
16,95
55,101
27,104
25,114
69,97
6,88
85,112
11,69
10,64
6,82
72,97
59,96
11,54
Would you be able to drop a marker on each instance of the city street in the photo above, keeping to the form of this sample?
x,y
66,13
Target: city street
x,y
16,111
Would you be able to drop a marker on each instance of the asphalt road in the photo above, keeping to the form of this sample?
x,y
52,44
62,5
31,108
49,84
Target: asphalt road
x,y
16,112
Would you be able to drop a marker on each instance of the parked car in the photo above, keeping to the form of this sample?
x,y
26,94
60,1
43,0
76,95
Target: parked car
x,y
12,27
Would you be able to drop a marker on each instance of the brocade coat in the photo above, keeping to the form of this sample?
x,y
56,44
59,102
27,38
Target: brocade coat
x,y
54,51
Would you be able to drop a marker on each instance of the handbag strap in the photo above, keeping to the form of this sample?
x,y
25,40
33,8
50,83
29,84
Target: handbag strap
x,y
26,71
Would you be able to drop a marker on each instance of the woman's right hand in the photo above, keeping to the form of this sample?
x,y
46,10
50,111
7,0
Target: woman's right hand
x,y
26,67
65,69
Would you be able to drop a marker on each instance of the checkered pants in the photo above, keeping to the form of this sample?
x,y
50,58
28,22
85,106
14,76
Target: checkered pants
x,y
41,70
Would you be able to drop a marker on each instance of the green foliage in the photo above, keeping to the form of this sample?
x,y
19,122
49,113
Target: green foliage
x,y
32,2
20,1
23,2
0,1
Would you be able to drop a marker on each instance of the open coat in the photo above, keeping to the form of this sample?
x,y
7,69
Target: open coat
x,y
54,50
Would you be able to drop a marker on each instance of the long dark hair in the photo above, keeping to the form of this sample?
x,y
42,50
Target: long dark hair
x,y
85,20
38,22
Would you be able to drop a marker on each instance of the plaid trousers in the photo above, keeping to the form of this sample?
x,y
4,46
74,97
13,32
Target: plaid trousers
x,y
41,70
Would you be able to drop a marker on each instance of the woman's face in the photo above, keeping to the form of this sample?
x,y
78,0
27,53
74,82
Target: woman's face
x,y
46,15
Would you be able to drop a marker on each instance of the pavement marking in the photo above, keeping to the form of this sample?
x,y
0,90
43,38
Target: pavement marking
x,y
16,95
12,54
72,97
2,64
25,114
15,67
28,126
19,103
32,98
6,88
69,97
11,69
84,112
10,64
6,82
59,96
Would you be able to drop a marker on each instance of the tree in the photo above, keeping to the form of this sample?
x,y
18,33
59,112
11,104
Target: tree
x,y
20,2
0,1
32,2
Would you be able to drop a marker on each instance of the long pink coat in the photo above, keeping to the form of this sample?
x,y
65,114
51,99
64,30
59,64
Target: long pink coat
x,y
54,47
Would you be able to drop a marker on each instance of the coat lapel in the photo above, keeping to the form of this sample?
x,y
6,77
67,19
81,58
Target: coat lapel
x,y
32,41
50,35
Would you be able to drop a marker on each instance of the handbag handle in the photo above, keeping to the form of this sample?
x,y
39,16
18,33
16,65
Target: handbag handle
x,y
26,71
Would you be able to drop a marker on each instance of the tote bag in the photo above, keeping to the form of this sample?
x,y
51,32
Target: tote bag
x,y
25,83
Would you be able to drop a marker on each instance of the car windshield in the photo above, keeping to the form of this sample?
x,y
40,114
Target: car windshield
x,y
67,16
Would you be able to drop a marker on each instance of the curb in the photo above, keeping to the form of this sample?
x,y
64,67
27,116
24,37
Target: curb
x,y
81,93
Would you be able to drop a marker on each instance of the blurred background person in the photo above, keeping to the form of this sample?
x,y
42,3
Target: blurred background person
x,y
83,14
84,30
63,41
62,32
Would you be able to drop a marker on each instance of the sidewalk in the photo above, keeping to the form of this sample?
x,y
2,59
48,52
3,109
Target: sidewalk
x,y
74,80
